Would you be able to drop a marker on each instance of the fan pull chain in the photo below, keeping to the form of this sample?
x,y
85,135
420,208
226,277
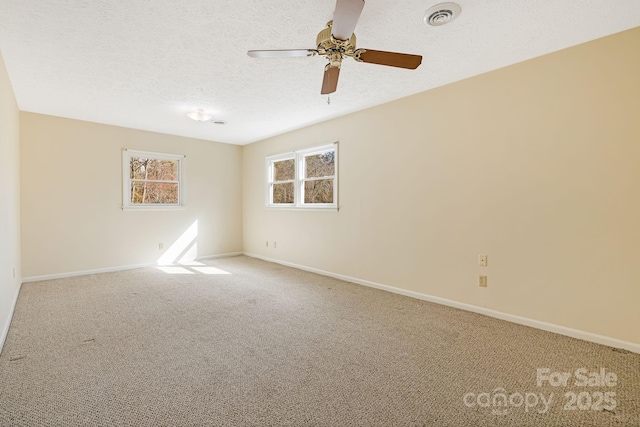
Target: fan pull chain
x,y
328,100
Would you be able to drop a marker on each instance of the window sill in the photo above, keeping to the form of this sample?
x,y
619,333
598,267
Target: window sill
x,y
294,208
153,208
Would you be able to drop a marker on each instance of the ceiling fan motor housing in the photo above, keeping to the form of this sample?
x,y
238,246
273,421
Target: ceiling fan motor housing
x,y
333,48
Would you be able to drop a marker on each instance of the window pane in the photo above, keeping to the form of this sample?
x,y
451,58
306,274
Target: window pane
x,y
283,193
319,191
319,165
137,166
155,169
154,193
284,170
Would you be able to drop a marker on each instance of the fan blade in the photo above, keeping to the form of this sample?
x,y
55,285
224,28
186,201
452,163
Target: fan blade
x,y
286,53
330,81
392,59
345,18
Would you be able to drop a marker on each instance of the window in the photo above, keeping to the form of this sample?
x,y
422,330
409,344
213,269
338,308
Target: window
x,y
304,179
152,179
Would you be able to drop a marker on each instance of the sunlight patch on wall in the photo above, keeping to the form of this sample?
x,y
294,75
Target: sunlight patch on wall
x,y
184,249
181,256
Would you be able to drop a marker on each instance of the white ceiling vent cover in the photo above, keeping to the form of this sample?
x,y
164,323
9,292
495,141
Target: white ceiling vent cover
x,y
441,14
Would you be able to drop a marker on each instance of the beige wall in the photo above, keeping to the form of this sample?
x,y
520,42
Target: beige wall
x,y
72,218
9,201
536,165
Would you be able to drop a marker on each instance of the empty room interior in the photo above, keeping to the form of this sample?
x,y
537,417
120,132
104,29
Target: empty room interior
x,y
236,214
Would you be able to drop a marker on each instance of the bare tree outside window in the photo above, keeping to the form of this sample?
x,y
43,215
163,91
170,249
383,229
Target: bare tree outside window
x,y
152,180
284,173
318,166
303,179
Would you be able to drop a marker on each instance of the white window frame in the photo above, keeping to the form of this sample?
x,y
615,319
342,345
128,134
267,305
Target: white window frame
x,y
270,182
299,181
127,154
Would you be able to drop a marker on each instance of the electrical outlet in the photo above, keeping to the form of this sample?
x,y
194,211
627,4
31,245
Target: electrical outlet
x,y
267,243
482,281
275,244
160,246
14,272
482,260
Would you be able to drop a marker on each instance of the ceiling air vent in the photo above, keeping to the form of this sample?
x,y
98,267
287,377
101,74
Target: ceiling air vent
x,y
441,14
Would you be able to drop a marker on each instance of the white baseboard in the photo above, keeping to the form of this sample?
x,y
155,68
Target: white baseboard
x,y
550,327
113,269
5,330
227,255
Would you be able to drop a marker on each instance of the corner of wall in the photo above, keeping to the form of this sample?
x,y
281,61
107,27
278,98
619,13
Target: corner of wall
x,y
10,258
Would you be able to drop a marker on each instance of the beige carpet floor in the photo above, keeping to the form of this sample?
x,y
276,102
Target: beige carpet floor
x,y
268,345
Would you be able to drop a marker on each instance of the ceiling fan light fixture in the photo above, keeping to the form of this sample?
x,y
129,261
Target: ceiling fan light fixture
x,y
441,14
199,116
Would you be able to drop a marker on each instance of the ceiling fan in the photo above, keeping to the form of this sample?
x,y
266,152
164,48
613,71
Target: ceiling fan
x,y
337,41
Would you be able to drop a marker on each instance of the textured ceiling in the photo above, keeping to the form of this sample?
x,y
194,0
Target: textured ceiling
x,y
145,63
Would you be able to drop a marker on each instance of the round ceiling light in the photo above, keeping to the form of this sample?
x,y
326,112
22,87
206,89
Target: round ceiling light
x,y
199,115
441,14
